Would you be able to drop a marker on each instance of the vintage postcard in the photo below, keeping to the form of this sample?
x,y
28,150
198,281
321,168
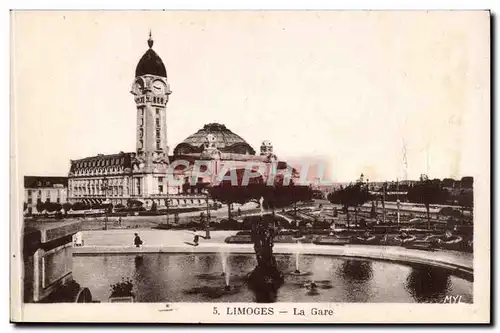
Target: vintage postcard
x,y
250,166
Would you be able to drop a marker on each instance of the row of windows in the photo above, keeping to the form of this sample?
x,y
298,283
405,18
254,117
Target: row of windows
x,y
106,162
30,201
158,144
141,132
114,190
30,192
158,100
157,112
90,172
98,183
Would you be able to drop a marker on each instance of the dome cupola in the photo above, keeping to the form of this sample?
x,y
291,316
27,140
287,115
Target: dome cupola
x,y
220,138
150,63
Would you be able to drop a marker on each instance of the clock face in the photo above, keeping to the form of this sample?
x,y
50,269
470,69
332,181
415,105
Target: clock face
x,y
158,87
138,87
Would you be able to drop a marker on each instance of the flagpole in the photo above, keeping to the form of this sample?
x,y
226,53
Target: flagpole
x,y
383,203
397,201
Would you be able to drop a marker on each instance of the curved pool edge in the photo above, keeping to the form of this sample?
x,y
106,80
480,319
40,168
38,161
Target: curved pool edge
x,y
457,262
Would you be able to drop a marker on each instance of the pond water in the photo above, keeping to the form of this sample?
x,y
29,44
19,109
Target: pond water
x,y
176,277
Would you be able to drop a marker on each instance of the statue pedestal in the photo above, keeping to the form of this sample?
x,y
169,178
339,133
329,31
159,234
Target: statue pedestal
x,y
265,279
48,261
127,299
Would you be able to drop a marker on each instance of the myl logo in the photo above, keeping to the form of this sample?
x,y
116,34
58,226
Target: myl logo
x,y
452,299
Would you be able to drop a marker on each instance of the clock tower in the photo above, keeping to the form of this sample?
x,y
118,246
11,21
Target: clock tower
x,y
150,163
151,93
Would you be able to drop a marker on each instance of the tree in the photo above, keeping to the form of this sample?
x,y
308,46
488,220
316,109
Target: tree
x,y
448,182
132,203
466,200
52,206
228,193
109,207
40,206
67,206
80,206
450,212
279,196
467,182
353,195
373,211
266,278
427,192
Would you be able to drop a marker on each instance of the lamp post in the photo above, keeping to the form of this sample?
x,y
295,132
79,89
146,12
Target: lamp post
x,y
167,202
207,222
384,189
105,186
398,201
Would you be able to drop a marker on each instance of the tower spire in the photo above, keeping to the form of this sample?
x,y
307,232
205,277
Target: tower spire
x,y
150,40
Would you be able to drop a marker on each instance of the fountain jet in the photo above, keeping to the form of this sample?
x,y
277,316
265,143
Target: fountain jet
x,y
225,270
297,254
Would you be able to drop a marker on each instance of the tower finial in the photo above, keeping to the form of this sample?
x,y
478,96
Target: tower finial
x,y
150,40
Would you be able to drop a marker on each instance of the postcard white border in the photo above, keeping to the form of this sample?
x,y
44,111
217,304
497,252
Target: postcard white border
x,y
478,312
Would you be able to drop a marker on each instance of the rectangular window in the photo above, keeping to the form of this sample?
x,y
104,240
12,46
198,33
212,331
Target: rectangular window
x,y
157,112
157,122
158,132
160,180
138,186
29,193
158,147
58,200
160,189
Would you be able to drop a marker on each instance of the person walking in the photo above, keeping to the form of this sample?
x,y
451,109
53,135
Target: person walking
x,y
137,240
78,239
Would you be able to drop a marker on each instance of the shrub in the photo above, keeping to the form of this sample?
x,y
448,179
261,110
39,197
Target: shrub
x,y
52,206
80,206
122,288
230,224
67,206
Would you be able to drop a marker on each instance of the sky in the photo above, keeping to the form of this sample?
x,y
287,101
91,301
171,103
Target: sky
x,y
362,91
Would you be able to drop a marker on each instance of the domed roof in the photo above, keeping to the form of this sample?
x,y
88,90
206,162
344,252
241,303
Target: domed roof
x,y
150,63
225,141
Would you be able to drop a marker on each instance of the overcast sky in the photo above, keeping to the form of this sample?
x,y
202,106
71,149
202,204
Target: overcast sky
x,y
352,88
